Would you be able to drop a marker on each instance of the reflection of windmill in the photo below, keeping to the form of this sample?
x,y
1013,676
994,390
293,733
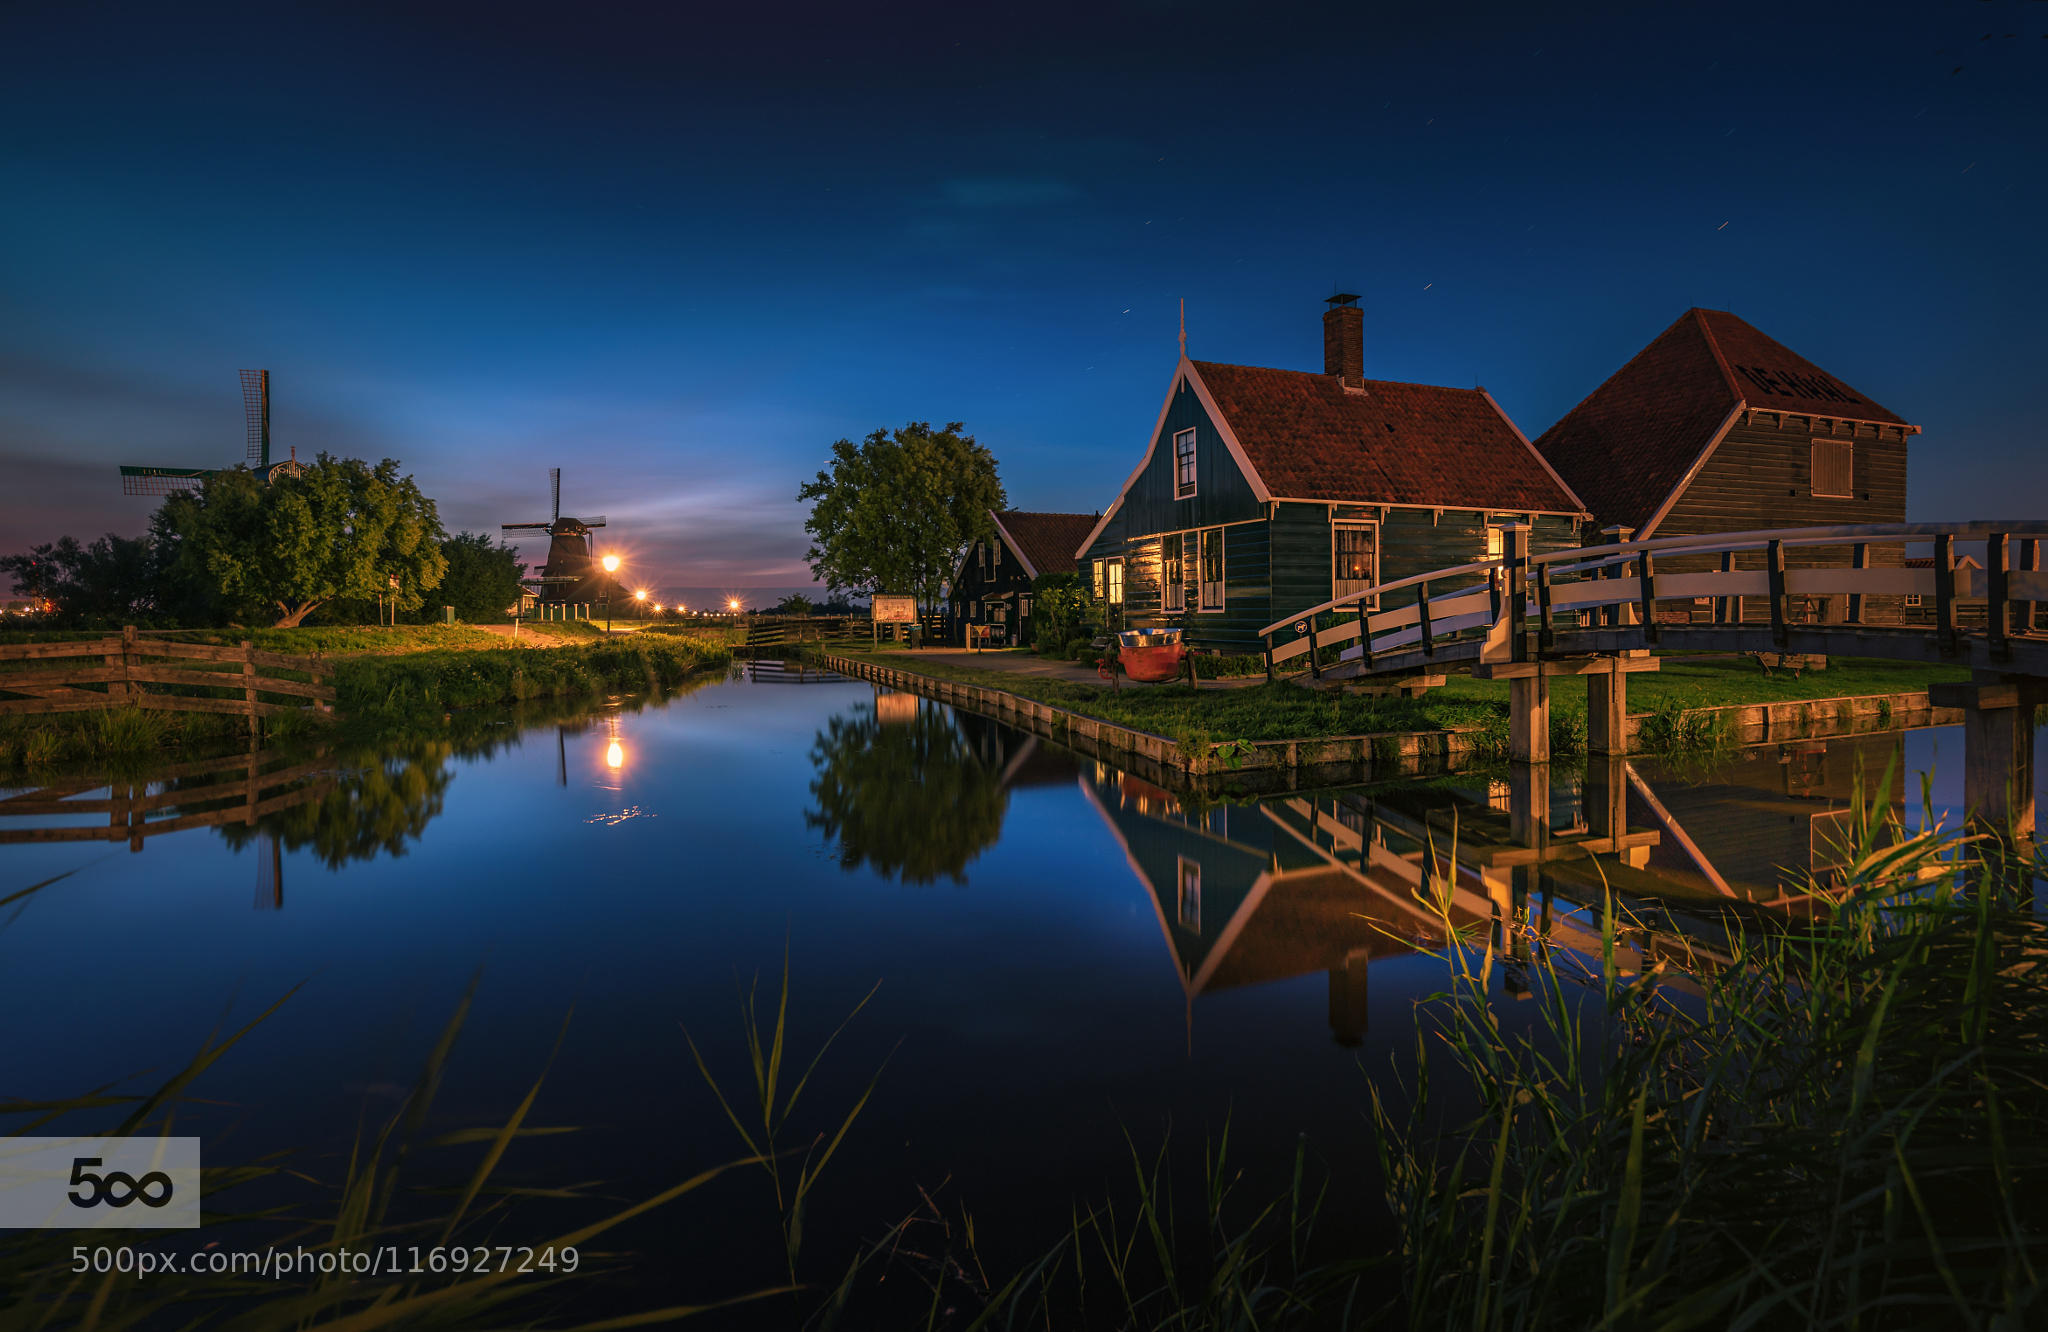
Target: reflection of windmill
x,y
256,407
569,575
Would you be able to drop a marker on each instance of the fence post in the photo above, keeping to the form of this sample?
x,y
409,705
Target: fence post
x,y
1422,619
1723,605
1859,559
122,687
1774,567
2030,560
249,686
1518,590
1945,593
1646,564
1998,611
1615,616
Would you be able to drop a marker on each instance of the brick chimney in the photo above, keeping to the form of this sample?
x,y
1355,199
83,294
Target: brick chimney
x,y
1344,338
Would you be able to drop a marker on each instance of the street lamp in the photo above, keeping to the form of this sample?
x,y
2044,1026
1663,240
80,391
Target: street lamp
x,y
732,604
611,566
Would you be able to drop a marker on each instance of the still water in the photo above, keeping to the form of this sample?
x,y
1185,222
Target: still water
x,y
1059,954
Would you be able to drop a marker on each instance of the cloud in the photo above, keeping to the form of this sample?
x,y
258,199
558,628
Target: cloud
x,y
1006,191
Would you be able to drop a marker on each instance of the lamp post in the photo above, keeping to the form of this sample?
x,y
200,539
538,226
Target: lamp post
x,y
611,566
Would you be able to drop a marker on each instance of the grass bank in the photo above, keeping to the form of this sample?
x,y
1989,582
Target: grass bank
x,y
1672,698
387,679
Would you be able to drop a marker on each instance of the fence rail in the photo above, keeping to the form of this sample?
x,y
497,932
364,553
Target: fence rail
x,y
1615,585
118,671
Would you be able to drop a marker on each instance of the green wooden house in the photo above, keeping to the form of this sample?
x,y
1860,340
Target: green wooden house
x,y
1264,492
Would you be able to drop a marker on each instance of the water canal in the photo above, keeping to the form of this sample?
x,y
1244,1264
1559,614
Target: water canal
x,y
1059,954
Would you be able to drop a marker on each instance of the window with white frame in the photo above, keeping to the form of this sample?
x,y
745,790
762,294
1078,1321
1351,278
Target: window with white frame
x,y
1184,464
1212,568
1834,466
1354,557
1114,586
999,553
981,553
1172,574
1095,579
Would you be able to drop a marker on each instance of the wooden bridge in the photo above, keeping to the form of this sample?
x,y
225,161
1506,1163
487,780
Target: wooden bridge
x,y
1600,611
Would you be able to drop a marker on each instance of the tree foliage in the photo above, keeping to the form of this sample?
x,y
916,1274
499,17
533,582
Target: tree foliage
x,y
342,530
911,798
114,580
1060,609
482,579
892,513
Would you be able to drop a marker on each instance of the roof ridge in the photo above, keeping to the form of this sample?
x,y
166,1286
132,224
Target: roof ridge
x,y
1318,374
1699,316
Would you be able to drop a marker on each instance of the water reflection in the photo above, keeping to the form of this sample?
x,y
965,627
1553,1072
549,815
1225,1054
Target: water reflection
x,y
915,790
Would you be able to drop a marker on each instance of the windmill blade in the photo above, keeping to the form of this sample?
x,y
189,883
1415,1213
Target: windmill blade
x,y
521,527
590,522
555,483
256,408
162,480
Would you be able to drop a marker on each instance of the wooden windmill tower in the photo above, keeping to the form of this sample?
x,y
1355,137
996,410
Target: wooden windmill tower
x,y
256,408
570,574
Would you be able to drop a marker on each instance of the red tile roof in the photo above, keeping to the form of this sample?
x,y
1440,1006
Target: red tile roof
x,y
1310,437
1627,447
1047,541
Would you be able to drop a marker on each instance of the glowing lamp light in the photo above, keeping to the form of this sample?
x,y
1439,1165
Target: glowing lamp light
x,y
657,608
611,564
640,594
615,755
732,603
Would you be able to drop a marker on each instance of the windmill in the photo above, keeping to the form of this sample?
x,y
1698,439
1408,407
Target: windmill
x,y
256,407
570,575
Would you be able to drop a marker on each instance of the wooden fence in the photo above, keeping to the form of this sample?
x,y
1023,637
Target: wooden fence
x,y
120,671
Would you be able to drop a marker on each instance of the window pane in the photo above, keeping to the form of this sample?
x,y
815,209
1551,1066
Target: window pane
x,y
1351,557
1212,568
1115,570
1184,463
1170,575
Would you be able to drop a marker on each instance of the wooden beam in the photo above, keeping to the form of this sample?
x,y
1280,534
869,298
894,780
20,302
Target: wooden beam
x,y
1945,593
1774,568
1859,558
1998,593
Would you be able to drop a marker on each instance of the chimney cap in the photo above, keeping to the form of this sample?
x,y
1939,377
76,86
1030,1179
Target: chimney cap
x,y
1341,298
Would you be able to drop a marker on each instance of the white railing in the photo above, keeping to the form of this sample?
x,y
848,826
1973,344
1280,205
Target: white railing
x,y
1617,582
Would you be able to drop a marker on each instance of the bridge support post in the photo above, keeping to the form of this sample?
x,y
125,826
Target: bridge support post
x,y
1998,749
1348,1022
1607,710
1529,718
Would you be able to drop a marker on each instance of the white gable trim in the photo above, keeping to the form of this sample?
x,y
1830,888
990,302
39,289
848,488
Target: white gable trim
x,y
1691,473
1183,369
1230,441
1562,484
1011,542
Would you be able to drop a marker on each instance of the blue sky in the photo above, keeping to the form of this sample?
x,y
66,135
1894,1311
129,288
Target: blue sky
x,y
677,252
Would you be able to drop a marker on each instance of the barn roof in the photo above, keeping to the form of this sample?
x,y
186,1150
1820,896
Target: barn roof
x,y
1639,437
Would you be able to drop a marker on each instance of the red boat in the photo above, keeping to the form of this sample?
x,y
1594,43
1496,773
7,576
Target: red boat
x,y
1153,656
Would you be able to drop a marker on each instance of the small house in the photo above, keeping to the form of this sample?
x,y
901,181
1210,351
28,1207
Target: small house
x,y
991,586
1264,492
1716,427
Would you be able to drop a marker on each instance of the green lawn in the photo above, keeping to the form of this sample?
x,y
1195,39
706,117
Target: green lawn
x,y
1286,711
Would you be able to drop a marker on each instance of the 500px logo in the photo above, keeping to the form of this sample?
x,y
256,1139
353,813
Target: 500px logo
x,y
95,1183
104,1187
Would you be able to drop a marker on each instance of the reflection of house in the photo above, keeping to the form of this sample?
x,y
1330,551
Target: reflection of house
x,y
992,585
1264,492
1715,427
1247,894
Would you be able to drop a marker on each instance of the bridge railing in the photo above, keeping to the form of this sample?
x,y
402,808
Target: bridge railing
x,y
1617,584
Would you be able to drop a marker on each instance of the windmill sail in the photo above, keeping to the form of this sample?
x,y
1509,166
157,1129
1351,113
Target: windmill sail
x,y
256,408
256,414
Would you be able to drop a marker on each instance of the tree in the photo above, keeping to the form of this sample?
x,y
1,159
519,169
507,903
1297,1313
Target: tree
x,y
482,578
1059,610
893,512
343,529
114,580
796,603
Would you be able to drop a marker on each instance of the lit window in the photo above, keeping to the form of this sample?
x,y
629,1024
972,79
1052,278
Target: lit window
x,y
1496,542
1190,895
1115,585
1913,599
1095,579
1834,468
1212,568
1353,548
1184,464
1172,578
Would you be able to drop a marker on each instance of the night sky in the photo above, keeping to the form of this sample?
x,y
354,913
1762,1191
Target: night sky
x,y
677,250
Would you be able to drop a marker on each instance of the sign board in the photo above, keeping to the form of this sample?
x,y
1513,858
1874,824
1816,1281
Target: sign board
x,y
895,610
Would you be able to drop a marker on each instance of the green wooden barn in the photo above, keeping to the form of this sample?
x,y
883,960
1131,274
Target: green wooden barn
x,y
1265,492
